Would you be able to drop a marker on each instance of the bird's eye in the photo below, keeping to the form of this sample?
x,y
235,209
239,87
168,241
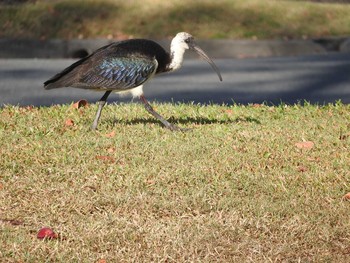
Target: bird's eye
x,y
187,40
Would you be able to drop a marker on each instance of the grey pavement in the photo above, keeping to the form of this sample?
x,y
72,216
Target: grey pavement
x,y
316,78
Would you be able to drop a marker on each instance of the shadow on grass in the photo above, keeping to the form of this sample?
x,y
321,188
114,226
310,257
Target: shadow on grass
x,y
185,120
58,19
207,19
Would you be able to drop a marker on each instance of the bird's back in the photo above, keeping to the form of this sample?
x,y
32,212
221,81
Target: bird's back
x,y
120,65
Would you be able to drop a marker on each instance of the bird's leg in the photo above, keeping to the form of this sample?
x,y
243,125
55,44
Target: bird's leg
x,y
167,124
101,103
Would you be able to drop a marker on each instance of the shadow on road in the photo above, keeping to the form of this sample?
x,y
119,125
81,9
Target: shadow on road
x,y
316,79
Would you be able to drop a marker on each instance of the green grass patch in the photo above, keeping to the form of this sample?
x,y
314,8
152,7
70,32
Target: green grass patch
x,y
159,19
234,189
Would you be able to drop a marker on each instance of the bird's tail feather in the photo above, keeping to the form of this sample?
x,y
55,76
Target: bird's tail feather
x,y
65,78
53,85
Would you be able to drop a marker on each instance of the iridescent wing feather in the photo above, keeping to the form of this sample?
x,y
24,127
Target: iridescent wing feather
x,y
113,67
120,73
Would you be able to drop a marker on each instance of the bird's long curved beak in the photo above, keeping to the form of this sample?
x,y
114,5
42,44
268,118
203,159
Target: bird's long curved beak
x,y
205,56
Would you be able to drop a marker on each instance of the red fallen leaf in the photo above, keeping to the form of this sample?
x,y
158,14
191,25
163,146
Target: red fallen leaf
x,y
305,145
110,135
229,112
80,104
302,169
102,260
69,122
105,158
347,197
46,233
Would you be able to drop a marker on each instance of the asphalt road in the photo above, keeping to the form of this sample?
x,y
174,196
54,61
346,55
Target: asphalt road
x,y
318,79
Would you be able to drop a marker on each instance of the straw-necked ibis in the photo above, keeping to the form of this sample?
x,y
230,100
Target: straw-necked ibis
x,y
126,66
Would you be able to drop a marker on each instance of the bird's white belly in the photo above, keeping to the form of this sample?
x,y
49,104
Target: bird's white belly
x,y
135,92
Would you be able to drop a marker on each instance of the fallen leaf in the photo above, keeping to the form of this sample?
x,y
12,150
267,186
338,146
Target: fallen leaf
x,y
305,145
93,188
347,197
109,150
344,136
29,108
13,222
69,122
26,109
110,135
80,104
302,169
229,112
50,10
105,158
46,233
150,182
102,260
313,159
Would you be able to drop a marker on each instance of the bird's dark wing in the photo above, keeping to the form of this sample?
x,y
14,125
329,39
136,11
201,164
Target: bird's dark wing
x,y
107,68
113,73
118,73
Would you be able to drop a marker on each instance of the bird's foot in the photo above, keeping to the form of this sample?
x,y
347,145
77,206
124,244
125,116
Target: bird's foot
x,y
173,127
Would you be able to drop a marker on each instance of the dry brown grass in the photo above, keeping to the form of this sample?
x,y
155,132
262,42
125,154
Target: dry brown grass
x,y
235,189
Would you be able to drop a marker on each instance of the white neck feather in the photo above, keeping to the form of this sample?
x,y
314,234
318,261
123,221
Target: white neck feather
x,y
177,50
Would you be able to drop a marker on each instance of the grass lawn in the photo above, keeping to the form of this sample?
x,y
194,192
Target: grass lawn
x,y
247,19
249,183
